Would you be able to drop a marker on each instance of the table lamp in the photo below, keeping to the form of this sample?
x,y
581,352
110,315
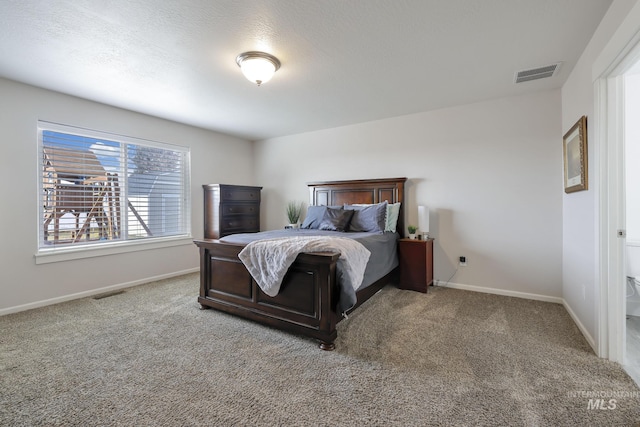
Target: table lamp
x,y
423,221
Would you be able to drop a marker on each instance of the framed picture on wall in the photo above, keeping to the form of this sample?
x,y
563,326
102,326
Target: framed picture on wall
x,y
574,145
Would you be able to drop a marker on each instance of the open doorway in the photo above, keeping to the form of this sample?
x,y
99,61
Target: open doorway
x,y
632,215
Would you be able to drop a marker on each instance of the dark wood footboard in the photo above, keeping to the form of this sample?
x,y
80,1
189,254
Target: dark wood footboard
x,y
305,304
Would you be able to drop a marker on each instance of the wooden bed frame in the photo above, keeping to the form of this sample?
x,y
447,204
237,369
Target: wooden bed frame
x,y
306,303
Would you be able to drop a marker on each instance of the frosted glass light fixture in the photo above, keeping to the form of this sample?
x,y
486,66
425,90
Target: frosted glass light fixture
x,y
257,67
423,221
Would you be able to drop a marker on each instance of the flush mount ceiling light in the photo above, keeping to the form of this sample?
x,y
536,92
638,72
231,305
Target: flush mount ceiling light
x,y
258,67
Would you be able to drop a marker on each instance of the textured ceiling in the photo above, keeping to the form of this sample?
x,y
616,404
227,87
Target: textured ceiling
x,y
343,61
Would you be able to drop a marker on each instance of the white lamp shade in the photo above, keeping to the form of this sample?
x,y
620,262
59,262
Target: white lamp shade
x,y
258,70
423,219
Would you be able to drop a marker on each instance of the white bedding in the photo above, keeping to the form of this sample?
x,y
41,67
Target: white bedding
x,y
269,259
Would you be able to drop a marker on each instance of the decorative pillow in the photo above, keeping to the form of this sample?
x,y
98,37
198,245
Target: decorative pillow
x,y
393,211
368,218
336,219
315,214
314,217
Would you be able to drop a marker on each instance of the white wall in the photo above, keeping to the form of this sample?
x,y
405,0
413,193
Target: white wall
x,y
581,247
214,158
490,172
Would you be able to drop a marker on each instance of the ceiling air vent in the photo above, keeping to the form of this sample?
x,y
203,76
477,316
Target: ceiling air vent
x,y
537,73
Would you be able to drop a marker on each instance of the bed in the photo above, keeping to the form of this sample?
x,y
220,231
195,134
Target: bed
x,y
308,301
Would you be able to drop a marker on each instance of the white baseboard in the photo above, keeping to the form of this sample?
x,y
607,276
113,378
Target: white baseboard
x,y
527,295
92,292
504,292
580,326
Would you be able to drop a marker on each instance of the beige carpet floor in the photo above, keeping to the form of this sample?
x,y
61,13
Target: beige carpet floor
x,y
149,356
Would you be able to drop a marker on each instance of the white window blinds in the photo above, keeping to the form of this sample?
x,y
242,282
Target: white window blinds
x,y
98,188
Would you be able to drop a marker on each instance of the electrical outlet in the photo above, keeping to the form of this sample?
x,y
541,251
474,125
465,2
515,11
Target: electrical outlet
x,y
463,261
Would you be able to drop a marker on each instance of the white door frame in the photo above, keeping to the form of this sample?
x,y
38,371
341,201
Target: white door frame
x,y
609,131
609,134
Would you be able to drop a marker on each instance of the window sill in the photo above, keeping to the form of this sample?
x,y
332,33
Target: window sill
x,y
90,251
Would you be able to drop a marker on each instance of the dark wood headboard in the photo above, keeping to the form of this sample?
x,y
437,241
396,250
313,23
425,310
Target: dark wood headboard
x,y
337,193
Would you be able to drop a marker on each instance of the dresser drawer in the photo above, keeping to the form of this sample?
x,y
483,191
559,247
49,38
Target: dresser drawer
x,y
231,209
240,224
240,194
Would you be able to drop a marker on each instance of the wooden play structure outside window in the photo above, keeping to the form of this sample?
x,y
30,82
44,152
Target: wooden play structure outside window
x,y
100,189
76,183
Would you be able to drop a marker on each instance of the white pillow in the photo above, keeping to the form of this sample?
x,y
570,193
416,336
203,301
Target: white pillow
x,y
393,211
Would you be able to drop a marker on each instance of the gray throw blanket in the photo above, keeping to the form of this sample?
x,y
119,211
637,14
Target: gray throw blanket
x,y
268,260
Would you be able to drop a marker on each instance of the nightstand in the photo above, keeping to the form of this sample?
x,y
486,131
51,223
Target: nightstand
x,y
416,264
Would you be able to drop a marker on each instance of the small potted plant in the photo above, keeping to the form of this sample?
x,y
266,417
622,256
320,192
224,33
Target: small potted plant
x,y
294,209
412,231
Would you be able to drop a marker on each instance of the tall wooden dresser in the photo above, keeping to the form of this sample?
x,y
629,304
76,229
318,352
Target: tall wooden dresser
x,y
230,209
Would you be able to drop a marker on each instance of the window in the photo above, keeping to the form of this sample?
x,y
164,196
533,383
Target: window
x,y
103,189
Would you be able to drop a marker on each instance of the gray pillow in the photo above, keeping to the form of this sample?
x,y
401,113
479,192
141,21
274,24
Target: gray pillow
x,y
314,217
336,219
368,218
